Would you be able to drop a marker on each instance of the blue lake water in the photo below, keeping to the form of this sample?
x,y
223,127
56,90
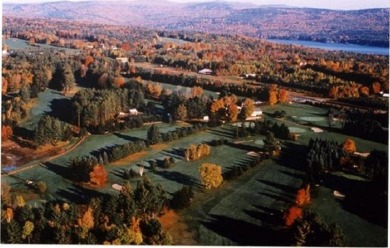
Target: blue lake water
x,y
336,46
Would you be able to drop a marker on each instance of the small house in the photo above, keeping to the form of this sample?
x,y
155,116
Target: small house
x,y
133,111
256,113
205,71
123,60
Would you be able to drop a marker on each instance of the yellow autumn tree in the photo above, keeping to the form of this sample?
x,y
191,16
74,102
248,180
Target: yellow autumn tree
x,y
86,222
248,107
27,230
134,231
210,175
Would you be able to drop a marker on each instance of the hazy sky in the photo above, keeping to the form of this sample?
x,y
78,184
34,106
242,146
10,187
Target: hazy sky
x,y
329,4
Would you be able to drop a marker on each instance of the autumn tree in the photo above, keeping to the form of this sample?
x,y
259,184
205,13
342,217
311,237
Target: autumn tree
x,y
195,152
210,175
181,112
6,132
364,91
283,96
291,215
248,107
272,94
27,230
349,146
86,222
303,196
119,81
98,175
376,87
196,91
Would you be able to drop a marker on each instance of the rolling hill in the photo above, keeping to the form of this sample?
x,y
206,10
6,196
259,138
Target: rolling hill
x,y
367,27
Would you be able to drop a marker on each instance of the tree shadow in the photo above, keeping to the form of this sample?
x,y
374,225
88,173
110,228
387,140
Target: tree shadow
x,y
293,156
295,175
277,197
23,133
61,109
361,198
245,147
128,137
223,133
178,153
285,188
62,171
78,194
244,233
179,178
270,218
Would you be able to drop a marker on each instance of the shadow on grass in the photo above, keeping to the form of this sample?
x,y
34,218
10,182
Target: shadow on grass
x,y
78,194
295,175
293,156
128,137
61,109
362,198
62,171
269,217
179,178
244,233
222,133
285,188
178,153
277,197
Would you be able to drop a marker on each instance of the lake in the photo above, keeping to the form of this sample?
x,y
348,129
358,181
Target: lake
x,y
336,46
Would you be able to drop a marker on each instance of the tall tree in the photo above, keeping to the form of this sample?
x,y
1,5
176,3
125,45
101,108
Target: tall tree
x,y
154,136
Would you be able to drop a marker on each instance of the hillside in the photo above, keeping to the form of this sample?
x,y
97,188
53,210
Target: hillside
x,y
367,27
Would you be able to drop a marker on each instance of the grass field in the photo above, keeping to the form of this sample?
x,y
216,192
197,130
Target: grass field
x,y
246,211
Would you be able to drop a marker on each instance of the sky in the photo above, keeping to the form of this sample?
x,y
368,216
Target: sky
x,y
327,4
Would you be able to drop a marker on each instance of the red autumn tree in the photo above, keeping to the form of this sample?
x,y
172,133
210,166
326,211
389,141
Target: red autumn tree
x,y
6,132
376,87
292,214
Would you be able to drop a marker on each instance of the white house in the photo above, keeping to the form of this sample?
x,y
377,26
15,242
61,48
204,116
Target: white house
x,y
256,113
133,111
205,71
123,59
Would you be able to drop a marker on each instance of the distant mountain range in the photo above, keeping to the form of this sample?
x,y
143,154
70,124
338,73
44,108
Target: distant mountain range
x,y
368,27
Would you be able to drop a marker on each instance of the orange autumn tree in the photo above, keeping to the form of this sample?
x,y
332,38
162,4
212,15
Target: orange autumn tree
x,y
98,175
86,222
303,196
292,214
283,96
349,146
273,97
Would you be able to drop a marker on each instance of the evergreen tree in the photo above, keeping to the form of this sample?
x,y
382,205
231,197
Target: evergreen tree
x,y
153,136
